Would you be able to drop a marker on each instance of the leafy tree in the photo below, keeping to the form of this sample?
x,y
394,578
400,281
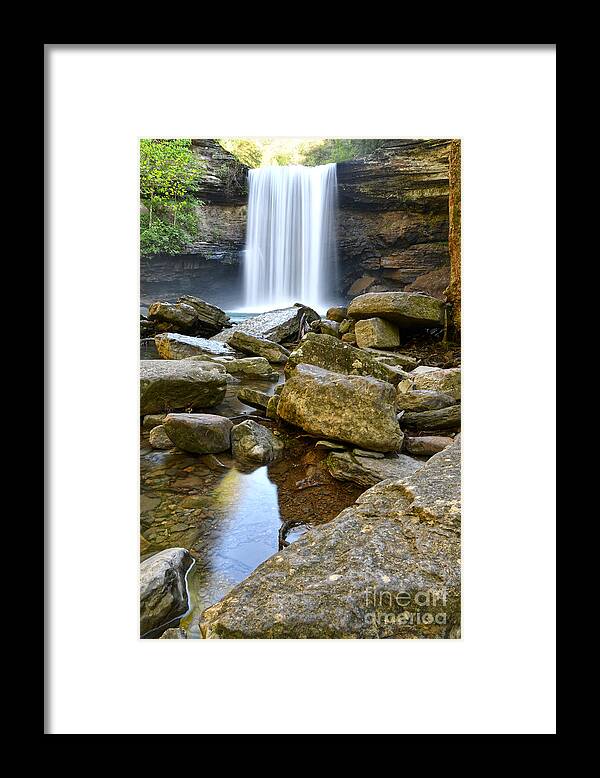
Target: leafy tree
x,y
169,171
245,150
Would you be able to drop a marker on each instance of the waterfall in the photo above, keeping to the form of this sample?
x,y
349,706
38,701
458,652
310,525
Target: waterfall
x,y
291,237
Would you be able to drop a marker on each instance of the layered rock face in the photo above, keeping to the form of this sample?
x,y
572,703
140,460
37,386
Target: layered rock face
x,y
393,215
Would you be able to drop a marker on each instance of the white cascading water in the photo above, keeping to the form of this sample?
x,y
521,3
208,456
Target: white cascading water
x,y
291,237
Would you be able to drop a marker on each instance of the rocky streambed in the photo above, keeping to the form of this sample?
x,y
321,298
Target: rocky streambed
x,y
295,467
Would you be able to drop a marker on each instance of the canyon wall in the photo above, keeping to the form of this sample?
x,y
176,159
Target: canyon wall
x,y
392,226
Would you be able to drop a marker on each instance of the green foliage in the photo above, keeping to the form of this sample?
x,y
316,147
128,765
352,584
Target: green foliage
x,y
339,150
245,150
169,172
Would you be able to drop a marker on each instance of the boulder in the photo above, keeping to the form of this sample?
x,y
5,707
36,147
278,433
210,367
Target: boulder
x,y
386,567
163,591
260,347
442,419
331,354
253,443
329,327
376,333
277,326
254,398
337,314
367,471
427,445
348,325
209,318
422,400
178,385
406,309
349,337
171,345
251,367
351,408
439,380
199,433
361,285
153,420
159,439
177,317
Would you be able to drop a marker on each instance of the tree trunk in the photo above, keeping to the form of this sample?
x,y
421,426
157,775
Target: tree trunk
x,y
453,292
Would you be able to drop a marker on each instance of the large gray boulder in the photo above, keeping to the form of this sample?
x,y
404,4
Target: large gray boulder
x,y
386,567
252,443
353,409
260,347
376,333
163,592
171,345
366,471
177,317
438,380
178,385
406,309
199,433
280,325
188,315
330,353
210,318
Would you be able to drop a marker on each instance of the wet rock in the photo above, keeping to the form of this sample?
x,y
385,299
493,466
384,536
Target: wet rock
x,y
404,308
277,326
254,398
251,442
367,471
337,314
171,345
427,445
361,452
386,567
315,326
251,367
438,380
209,318
329,327
159,438
261,347
351,408
422,400
178,385
442,419
376,333
177,317
175,633
348,325
199,433
163,594
153,420
331,354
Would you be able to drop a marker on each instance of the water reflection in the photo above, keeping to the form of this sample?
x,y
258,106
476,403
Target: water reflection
x,y
243,534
